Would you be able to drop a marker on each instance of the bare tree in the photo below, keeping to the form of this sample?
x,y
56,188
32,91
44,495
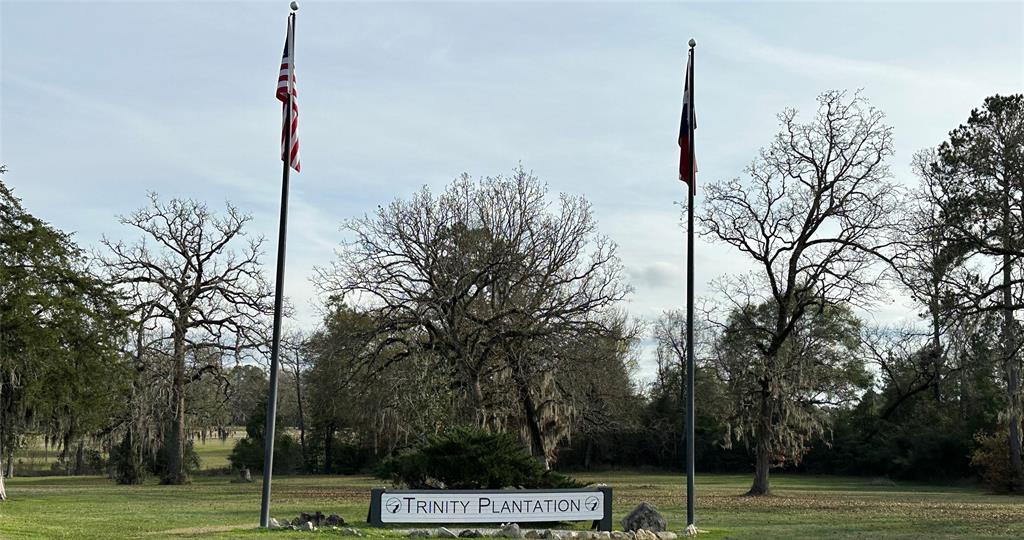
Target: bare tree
x,y
296,360
489,277
813,217
928,257
208,297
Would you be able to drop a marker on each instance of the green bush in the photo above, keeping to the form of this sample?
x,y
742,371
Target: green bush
x,y
470,459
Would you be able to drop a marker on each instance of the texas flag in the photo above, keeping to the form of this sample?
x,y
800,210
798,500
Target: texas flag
x,y
688,123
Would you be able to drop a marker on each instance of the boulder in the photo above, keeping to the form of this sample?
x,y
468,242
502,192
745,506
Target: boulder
x,y
334,520
509,530
532,535
274,524
604,535
618,535
445,532
470,533
419,533
547,534
349,531
644,517
308,526
667,535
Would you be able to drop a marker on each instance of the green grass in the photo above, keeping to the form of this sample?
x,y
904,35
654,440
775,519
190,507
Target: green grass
x,y
802,507
214,453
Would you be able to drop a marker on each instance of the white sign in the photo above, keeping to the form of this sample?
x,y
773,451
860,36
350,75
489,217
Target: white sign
x,y
490,507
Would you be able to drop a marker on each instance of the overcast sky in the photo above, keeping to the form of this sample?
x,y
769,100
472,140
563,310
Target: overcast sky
x,y
104,101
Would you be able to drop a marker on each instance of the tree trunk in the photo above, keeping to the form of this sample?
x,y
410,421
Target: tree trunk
x,y
762,461
328,448
302,418
3,434
3,490
79,459
936,344
175,445
1011,367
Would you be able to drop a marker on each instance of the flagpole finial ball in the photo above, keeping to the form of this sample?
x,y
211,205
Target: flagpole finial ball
x,y
295,6
693,42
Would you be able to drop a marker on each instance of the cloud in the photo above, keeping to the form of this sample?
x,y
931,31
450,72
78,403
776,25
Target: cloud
x,y
656,275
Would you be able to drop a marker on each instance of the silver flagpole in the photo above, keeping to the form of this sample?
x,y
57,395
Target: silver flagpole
x,y
282,236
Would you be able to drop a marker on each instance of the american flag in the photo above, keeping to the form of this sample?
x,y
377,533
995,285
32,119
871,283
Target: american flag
x,y
687,124
286,88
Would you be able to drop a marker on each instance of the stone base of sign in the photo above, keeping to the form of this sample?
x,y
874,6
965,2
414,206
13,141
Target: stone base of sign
x,y
549,534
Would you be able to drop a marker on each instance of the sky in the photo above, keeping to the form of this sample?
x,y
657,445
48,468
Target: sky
x,y
101,102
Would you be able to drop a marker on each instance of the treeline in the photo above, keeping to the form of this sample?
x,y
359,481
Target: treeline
x,y
495,306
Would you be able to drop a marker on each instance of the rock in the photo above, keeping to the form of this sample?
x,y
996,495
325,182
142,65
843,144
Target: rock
x,y
645,517
532,535
691,530
666,535
547,534
317,518
470,533
274,524
509,530
445,532
308,526
642,534
419,533
604,535
349,531
334,520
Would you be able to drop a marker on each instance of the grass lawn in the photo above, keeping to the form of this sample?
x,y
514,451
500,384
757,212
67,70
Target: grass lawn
x,y
212,506
802,507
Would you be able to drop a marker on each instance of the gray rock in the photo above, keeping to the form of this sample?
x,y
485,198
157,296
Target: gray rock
x,y
274,524
532,535
334,520
509,530
645,517
349,531
308,526
618,535
666,535
445,532
419,533
604,535
470,533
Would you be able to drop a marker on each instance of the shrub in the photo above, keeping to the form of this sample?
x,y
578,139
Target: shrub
x,y
992,458
126,462
467,458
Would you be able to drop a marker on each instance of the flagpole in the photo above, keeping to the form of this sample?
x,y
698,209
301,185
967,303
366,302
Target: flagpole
x,y
282,236
690,418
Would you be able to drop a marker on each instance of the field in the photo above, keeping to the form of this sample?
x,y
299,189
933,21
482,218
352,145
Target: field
x,y
802,506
